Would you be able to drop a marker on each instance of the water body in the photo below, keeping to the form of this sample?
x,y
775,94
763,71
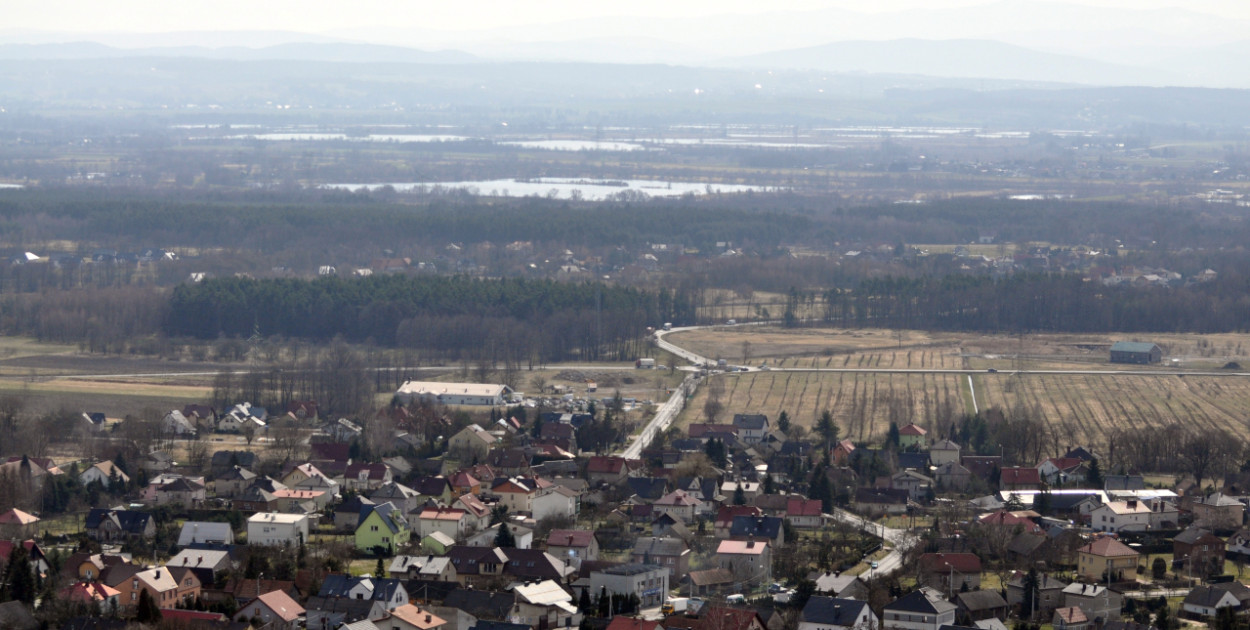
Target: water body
x,y
575,145
562,188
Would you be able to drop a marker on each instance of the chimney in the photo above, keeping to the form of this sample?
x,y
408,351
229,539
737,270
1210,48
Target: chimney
x,y
1132,504
427,618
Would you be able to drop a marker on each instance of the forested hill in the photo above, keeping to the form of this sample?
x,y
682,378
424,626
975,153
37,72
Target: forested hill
x,y
445,315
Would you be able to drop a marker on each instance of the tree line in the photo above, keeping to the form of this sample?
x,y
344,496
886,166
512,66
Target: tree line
x,y
453,317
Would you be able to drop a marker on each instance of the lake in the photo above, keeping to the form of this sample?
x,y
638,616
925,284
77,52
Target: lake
x,y
562,188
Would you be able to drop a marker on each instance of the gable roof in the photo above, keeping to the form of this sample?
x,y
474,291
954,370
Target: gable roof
x,y
913,429
1133,346
919,602
282,605
967,563
833,611
1018,475
1108,547
570,538
750,421
767,527
129,521
389,515
980,600
659,546
647,487
678,498
711,577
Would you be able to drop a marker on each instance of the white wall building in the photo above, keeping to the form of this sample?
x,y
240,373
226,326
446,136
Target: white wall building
x,y
268,528
491,395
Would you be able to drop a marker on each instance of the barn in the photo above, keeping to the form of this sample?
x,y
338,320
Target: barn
x,y
1135,352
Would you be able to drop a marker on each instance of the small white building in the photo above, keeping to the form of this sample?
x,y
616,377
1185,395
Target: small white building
x,y
556,501
268,528
481,394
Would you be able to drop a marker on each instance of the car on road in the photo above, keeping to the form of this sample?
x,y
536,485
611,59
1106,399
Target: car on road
x,y
775,587
874,564
992,371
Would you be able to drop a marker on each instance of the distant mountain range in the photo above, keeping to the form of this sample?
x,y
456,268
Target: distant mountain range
x,y
1215,65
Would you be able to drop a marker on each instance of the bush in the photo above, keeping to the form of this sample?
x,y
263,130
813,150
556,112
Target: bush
x,y
1158,568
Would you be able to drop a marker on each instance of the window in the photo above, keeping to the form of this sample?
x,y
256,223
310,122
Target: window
x,y
373,528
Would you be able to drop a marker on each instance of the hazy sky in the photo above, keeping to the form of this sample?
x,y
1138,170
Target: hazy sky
x,y
326,15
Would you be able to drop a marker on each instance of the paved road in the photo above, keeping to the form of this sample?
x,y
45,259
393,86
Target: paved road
x,y
900,539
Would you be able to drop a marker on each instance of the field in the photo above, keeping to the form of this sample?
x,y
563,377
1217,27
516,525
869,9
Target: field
x,y
1076,408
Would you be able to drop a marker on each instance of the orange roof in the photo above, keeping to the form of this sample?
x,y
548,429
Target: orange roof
x,y
742,547
88,592
912,429
415,616
441,514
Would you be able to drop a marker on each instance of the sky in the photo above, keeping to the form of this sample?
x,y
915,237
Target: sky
x,y
319,16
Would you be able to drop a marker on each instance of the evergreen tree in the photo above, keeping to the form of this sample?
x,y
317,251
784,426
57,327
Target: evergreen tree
x,y
827,429
740,497
147,611
769,487
1094,478
783,422
583,603
19,578
1163,619
1029,592
1042,502
892,436
504,537
380,570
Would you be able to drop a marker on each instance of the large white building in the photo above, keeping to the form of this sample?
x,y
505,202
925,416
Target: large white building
x,y
269,528
648,581
490,395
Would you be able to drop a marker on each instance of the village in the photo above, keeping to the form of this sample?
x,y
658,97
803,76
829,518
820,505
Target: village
x,y
503,516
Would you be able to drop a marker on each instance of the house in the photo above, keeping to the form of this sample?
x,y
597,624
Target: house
x,y
478,513
678,504
544,604
706,491
950,572
832,613
1218,511
181,492
1135,352
1019,478
307,501
333,612
979,605
426,488
176,424
573,546
18,524
1106,555
922,609
381,527
1069,618
156,462
916,485
647,582
95,596
233,482
944,452
105,473
1198,552
671,553
437,543
205,532
475,394
1123,482
769,528
711,582
840,455
1099,603
410,617
159,584
189,584
390,592
451,522
952,476
515,492
275,608
407,499
1205,601
555,502
38,560
471,444
1048,597
432,568
534,565
225,460
462,482
752,427
309,477
804,513
725,516
748,560
876,501
207,564
365,476
1121,516
607,469
912,435
841,585
111,525
268,528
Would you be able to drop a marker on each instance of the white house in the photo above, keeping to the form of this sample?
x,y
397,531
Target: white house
x,y
450,521
205,532
1121,516
268,528
554,501
103,472
649,582
1206,601
174,423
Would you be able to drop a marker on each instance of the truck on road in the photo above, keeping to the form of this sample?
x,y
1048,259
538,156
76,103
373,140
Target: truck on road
x,y
675,605
668,325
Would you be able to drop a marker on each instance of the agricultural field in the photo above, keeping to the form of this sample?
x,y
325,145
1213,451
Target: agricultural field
x,y
1076,408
